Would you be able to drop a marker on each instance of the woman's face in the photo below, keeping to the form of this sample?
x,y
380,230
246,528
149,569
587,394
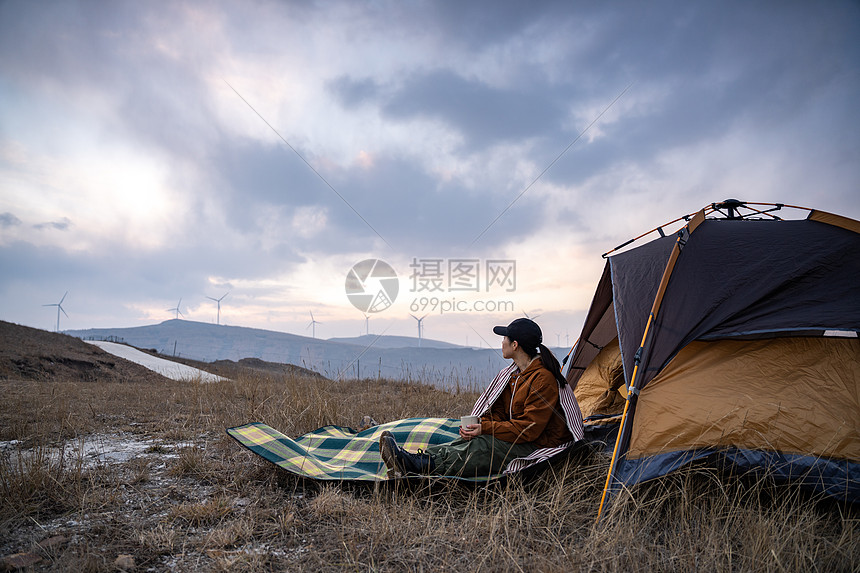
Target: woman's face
x,y
507,347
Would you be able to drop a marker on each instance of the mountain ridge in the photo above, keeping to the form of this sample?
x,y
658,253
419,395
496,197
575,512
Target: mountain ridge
x,y
446,367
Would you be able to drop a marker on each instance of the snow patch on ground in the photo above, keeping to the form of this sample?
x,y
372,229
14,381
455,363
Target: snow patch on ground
x,y
172,370
96,449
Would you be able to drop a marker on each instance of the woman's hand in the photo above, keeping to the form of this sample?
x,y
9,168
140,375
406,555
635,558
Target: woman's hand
x,y
470,431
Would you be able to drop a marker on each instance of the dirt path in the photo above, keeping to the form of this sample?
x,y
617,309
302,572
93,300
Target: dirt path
x,y
172,370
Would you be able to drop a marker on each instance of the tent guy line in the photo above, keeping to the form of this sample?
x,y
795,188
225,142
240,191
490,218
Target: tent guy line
x,y
300,156
553,162
493,347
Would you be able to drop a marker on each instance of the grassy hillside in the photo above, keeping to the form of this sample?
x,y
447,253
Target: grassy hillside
x,y
99,472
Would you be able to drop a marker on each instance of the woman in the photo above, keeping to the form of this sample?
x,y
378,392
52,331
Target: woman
x,y
521,412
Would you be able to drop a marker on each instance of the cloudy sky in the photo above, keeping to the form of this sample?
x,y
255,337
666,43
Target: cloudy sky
x,y
151,151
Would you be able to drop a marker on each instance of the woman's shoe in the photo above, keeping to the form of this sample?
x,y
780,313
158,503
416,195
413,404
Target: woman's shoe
x,y
399,461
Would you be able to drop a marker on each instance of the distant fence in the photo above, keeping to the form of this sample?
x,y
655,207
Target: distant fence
x,y
111,338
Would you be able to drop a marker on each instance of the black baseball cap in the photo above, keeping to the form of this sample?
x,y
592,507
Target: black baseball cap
x,y
523,330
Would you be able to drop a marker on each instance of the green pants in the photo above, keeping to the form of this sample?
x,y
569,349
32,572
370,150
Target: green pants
x,y
480,456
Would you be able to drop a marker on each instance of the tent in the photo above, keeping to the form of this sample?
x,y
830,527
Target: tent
x,y
734,340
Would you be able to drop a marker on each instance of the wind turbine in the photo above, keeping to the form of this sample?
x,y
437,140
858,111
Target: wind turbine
x,y
535,317
218,300
366,324
313,324
176,309
59,306
420,327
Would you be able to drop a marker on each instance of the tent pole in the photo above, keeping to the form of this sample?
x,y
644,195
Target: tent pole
x,y
623,420
634,239
683,237
708,210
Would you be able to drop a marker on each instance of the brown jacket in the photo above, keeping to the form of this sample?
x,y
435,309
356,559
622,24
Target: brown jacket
x,y
528,410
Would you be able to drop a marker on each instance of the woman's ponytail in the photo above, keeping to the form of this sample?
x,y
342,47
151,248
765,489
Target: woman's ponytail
x,y
550,362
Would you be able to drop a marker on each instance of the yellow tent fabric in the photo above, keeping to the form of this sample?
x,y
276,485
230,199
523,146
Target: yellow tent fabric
x,y
600,390
794,395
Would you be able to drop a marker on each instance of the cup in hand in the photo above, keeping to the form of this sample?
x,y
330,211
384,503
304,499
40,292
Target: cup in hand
x,y
469,421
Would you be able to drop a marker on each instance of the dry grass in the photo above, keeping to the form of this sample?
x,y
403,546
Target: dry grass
x,y
192,499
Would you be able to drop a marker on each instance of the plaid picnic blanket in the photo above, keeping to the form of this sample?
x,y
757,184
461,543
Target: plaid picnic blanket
x,y
338,453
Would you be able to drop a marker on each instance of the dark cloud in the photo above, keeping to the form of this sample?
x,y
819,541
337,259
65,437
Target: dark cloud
x,y
62,224
270,183
158,95
714,68
417,213
408,206
475,25
352,92
98,285
255,175
9,220
28,263
483,114
124,277
714,71
77,44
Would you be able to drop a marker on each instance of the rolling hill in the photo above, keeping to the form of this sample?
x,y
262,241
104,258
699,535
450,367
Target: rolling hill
x,y
365,357
395,342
